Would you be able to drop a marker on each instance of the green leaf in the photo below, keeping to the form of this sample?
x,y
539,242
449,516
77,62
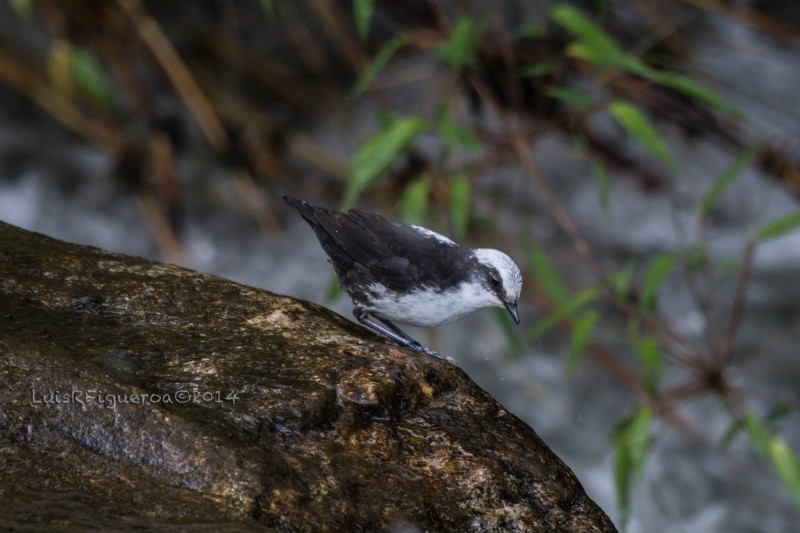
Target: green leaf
x,y
723,180
376,65
577,99
656,275
595,44
378,152
581,334
458,135
631,440
693,90
334,291
569,309
640,127
89,75
731,433
778,227
459,204
777,412
603,185
759,434
536,69
548,278
24,8
694,257
621,280
587,31
363,12
768,446
415,201
650,356
785,463
513,340
460,51
268,7
529,31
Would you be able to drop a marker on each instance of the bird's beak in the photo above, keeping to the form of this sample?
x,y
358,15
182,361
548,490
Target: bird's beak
x,y
512,309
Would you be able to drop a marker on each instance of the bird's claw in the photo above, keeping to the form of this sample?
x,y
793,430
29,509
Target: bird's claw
x,y
417,347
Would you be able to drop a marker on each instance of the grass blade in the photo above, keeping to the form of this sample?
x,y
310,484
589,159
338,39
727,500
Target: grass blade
x,y
640,127
375,155
778,227
460,50
415,201
581,334
548,278
363,10
631,439
656,275
785,464
723,180
376,65
459,204
693,90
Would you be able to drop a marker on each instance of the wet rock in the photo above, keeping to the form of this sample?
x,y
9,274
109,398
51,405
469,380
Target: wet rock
x,y
135,394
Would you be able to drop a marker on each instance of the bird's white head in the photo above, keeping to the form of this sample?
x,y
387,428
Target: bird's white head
x,y
501,277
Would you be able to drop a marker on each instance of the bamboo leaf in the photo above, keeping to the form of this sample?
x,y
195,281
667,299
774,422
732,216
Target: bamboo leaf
x,y
730,434
529,31
536,69
656,275
631,440
24,8
581,334
375,155
334,291
785,463
575,304
363,10
595,44
723,180
460,50
268,7
603,185
594,37
652,362
459,204
548,278
577,99
376,65
778,227
694,257
90,76
693,90
457,135
621,280
415,201
640,127
759,435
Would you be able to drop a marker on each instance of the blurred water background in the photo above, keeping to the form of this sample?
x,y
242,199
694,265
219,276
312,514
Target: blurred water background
x,y
145,169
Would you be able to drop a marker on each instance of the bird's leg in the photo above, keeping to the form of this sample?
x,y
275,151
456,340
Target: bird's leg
x,y
395,334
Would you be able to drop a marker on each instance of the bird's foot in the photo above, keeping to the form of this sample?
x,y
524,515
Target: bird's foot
x,y
417,347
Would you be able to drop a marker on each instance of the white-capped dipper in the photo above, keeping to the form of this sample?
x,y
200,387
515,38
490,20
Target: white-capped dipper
x,y
407,274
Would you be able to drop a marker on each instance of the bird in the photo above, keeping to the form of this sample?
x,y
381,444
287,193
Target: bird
x,y
408,274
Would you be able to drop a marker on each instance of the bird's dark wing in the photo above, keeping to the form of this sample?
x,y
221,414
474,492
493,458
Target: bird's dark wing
x,y
396,255
407,257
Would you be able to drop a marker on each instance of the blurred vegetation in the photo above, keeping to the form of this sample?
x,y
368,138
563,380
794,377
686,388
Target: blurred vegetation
x,y
147,81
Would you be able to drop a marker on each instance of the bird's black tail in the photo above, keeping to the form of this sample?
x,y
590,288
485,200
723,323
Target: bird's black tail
x,y
304,208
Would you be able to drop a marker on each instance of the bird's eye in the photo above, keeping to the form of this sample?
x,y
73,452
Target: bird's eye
x,y
494,281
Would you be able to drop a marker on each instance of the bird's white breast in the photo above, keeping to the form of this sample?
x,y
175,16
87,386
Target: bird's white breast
x,y
428,307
